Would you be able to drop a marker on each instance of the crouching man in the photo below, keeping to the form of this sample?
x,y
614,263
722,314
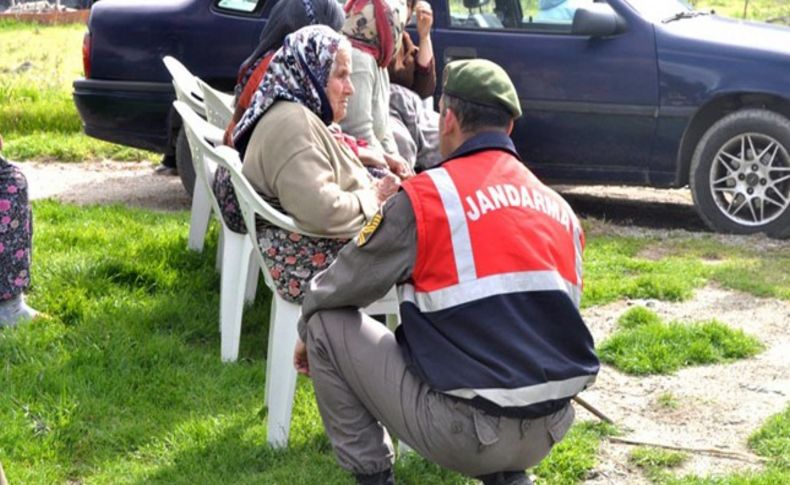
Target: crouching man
x,y
479,375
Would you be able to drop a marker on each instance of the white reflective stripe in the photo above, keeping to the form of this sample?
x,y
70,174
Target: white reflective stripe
x,y
493,285
459,231
406,293
524,396
577,241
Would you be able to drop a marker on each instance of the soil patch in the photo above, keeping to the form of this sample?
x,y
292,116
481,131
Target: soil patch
x,y
717,406
133,184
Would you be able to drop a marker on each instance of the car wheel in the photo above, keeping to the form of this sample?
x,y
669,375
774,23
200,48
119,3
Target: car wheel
x,y
740,174
184,162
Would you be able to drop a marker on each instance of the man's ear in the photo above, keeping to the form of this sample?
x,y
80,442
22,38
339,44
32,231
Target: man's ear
x,y
510,127
451,124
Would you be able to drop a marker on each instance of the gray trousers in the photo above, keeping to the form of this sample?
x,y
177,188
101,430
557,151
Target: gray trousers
x,y
364,390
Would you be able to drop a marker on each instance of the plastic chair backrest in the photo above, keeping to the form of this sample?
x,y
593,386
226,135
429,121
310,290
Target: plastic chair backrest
x,y
219,106
185,84
202,137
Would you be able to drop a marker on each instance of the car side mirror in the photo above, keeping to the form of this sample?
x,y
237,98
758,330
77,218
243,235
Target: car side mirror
x,y
597,20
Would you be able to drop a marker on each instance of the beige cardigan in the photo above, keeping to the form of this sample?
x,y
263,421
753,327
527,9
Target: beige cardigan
x,y
319,182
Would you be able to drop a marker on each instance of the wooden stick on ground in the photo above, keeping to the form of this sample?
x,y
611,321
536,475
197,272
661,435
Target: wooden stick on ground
x,y
591,408
733,455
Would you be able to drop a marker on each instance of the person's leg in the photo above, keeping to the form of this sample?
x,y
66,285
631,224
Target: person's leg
x,y
15,245
167,166
362,385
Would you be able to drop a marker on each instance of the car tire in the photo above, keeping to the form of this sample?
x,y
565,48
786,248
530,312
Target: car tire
x,y
740,174
184,162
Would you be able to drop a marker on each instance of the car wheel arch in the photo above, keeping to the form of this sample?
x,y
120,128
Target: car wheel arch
x,y
714,110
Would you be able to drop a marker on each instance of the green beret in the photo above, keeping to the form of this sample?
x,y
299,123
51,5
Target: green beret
x,y
482,82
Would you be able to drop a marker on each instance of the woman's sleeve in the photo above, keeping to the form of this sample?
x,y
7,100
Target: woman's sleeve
x,y
425,79
308,191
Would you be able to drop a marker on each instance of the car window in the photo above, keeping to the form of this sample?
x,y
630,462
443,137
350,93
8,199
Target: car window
x,y
245,6
534,15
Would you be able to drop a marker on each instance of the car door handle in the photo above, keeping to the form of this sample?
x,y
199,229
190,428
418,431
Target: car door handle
x,y
455,53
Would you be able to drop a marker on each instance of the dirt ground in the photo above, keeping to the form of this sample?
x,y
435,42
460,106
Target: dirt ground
x,y
718,406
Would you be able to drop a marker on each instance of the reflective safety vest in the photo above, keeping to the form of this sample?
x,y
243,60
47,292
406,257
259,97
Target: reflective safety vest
x,y
491,312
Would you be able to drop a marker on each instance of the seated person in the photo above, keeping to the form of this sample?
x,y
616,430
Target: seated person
x,y
414,67
375,29
559,11
415,126
15,243
310,174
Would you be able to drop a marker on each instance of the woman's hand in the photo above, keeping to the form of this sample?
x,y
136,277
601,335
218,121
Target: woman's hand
x,y
399,166
424,18
386,187
371,158
300,358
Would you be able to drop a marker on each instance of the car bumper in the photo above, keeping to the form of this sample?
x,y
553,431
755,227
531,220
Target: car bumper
x,y
135,114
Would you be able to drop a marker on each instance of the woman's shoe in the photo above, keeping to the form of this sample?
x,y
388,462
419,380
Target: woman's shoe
x,y
15,311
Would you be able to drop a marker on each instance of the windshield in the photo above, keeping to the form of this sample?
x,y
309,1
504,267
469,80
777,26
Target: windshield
x,y
658,10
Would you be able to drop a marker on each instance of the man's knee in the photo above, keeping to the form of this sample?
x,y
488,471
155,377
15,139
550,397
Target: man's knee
x,y
326,323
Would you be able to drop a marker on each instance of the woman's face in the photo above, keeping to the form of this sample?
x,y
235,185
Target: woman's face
x,y
339,87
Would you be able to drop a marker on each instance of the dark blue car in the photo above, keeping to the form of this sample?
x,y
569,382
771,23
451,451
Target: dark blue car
x,y
642,92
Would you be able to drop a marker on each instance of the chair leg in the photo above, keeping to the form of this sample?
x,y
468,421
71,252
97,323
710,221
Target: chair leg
x,y
199,218
220,249
236,260
252,279
280,372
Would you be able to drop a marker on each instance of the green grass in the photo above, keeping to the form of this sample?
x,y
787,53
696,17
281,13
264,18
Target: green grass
x,y
773,440
38,118
655,462
571,460
667,400
645,345
122,381
617,267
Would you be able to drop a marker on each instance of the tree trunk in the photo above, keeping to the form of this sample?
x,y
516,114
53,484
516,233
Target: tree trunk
x,y
745,8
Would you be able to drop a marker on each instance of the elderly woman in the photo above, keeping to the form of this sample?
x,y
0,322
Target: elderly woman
x,y
375,29
298,163
15,243
286,16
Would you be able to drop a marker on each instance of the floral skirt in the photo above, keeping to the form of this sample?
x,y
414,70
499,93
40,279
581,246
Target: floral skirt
x,y
15,232
228,204
293,259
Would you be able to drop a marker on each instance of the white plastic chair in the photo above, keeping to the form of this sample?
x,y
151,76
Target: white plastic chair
x,y
188,91
280,372
219,106
185,84
219,111
238,277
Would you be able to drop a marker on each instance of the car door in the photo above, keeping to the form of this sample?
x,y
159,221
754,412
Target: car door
x,y
589,103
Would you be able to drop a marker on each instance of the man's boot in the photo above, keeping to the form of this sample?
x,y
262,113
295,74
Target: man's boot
x,y
505,478
381,478
15,311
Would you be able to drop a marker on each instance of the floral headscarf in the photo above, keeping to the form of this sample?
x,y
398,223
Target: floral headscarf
x,y
299,72
376,27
